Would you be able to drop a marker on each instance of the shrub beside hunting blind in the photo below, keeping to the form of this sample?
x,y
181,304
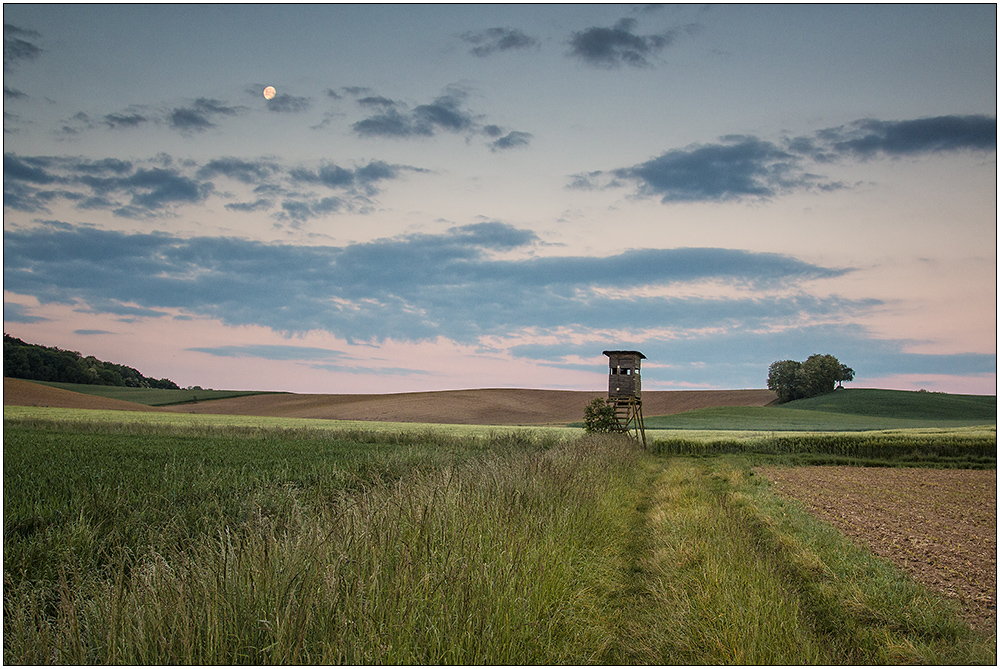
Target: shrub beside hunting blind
x,y
625,391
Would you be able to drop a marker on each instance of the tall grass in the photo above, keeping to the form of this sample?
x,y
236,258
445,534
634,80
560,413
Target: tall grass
x,y
239,544
968,448
254,549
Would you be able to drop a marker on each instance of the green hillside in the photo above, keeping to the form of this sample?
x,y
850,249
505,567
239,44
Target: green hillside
x,y
902,404
843,410
153,397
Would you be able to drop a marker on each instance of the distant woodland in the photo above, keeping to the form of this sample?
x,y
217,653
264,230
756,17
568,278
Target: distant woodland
x,y
43,363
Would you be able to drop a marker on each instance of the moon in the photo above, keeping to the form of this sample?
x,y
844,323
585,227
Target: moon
x,y
269,92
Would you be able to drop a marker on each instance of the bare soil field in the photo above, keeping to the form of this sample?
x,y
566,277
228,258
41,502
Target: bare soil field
x,y
487,406
19,392
939,525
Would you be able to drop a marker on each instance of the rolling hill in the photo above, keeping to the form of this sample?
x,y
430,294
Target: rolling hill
x,y
488,406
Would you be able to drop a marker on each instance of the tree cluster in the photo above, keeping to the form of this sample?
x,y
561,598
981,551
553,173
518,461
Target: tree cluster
x,y
599,416
43,363
818,375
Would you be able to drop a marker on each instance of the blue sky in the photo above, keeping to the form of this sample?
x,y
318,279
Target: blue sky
x,y
474,196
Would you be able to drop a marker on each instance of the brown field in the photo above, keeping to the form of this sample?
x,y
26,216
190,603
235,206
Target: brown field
x,y
489,406
938,525
19,392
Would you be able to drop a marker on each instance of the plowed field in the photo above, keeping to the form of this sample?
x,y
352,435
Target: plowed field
x,y
489,406
27,394
939,525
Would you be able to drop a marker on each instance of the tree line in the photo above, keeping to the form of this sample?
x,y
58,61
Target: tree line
x,y
43,363
818,375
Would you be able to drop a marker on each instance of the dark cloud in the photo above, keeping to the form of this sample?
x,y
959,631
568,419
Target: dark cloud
x,y
245,171
360,183
445,113
411,287
260,204
107,184
618,45
125,120
13,94
16,47
288,104
19,313
376,101
298,211
158,186
869,137
272,352
31,170
740,167
511,140
743,167
199,116
493,40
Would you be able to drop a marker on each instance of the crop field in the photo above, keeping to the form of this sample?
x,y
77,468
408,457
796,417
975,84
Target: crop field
x,y
857,409
157,538
150,396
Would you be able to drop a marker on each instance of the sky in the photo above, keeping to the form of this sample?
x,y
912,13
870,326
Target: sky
x,y
469,196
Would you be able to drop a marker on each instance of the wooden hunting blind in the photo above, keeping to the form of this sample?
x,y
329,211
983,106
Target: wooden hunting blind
x,y
625,391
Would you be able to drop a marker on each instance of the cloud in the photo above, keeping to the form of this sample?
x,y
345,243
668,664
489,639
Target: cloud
x,y
739,357
511,140
125,120
412,287
13,93
199,115
19,313
494,40
142,192
271,352
742,167
244,171
619,45
16,49
260,204
156,187
445,113
739,168
288,104
376,101
869,137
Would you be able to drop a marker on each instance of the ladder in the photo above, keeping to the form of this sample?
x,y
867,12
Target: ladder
x,y
628,415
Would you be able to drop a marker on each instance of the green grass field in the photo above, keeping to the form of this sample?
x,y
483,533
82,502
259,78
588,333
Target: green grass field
x,y
154,397
843,410
142,538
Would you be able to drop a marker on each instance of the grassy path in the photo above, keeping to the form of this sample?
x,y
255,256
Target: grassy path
x,y
722,571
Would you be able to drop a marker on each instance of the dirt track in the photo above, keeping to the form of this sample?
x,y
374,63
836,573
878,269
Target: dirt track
x,y
490,406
